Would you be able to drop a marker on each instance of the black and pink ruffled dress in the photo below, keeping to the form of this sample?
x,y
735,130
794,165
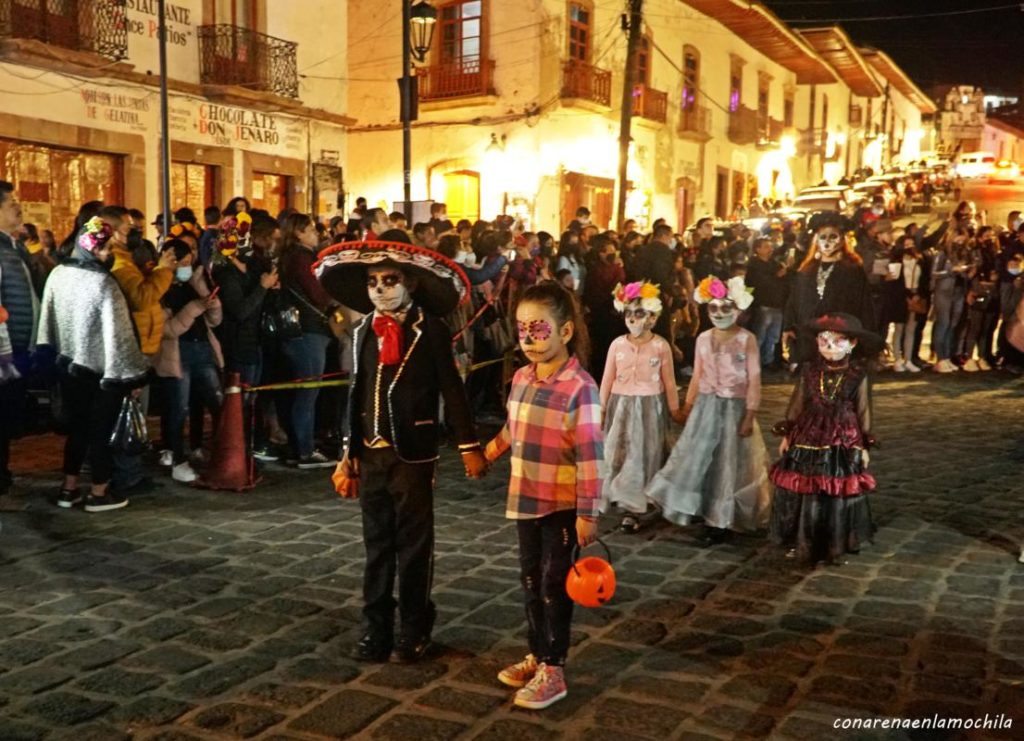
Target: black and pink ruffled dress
x,y
821,507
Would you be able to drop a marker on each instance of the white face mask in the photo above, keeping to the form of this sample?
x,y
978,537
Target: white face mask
x,y
878,210
1013,271
387,290
834,346
723,314
1017,223
672,243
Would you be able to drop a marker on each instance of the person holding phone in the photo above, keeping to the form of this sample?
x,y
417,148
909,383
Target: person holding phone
x,y
189,354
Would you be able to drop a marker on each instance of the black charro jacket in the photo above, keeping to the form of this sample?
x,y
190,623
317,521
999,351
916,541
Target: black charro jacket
x,y
426,373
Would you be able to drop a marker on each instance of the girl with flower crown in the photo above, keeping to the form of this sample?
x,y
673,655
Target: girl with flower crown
x,y
718,468
638,393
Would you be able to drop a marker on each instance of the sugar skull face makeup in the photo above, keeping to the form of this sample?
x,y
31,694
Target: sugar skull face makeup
x,y
834,347
722,313
829,242
638,319
387,289
537,330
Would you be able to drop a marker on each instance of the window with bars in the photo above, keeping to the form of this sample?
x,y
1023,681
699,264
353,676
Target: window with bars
x,y
579,32
691,78
461,32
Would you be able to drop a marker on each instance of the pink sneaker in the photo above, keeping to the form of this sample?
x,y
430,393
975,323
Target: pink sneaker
x,y
519,674
546,688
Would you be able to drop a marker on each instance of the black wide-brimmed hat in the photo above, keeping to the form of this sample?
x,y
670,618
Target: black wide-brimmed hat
x,y
847,324
441,286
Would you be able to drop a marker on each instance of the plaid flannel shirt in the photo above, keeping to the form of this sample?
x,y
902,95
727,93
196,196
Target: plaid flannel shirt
x,y
554,432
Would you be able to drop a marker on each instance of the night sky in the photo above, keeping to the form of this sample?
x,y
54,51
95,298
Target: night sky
x,y
978,48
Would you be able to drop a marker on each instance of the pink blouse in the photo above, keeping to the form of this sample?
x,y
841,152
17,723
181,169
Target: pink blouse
x,y
640,370
731,370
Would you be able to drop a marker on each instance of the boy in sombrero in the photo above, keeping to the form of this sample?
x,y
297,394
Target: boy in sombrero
x,y
820,511
402,366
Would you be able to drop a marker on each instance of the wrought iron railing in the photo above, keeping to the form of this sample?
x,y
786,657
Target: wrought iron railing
x,y
231,55
650,103
695,120
586,82
464,78
83,25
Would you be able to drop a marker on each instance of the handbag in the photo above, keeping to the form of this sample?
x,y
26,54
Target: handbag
x,y
917,305
280,320
130,435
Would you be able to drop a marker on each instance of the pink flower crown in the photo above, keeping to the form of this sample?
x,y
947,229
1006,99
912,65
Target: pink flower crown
x,y
95,234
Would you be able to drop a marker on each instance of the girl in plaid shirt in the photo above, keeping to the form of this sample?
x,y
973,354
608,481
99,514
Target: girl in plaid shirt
x,y
554,433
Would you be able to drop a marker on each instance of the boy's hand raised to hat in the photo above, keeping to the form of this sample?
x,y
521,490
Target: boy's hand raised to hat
x,y
476,464
586,530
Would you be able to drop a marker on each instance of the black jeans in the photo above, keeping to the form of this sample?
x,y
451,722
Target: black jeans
x,y
397,501
91,413
12,402
545,557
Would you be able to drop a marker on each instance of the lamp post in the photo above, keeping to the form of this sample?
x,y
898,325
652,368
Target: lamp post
x,y
418,23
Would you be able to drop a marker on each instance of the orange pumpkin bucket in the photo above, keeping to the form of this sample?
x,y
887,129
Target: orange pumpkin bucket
x,y
591,580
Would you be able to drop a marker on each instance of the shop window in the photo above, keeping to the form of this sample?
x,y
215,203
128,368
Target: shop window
x,y
462,195
579,32
51,183
193,185
270,192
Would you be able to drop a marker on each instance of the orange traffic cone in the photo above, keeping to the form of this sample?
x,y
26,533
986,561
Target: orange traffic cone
x,y
230,467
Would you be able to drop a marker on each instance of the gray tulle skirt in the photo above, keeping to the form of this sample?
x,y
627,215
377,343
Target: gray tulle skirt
x,y
713,473
635,447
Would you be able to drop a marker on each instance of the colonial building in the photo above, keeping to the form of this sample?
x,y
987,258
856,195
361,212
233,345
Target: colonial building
x,y
520,103
900,128
81,119
962,120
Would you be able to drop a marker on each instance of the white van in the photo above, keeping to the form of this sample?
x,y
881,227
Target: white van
x,y
976,164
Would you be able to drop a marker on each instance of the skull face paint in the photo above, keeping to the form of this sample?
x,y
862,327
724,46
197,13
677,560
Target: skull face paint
x,y
834,347
722,313
638,320
387,289
830,244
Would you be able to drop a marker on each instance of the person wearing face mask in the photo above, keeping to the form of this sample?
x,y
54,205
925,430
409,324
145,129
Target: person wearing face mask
x,y
982,303
85,319
638,394
570,257
604,272
190,356
403,368
951,270
718,469
830,279
821,511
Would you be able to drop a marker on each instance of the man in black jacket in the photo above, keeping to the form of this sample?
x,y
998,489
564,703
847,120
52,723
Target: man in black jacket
x,y
655,263
403,365
767,277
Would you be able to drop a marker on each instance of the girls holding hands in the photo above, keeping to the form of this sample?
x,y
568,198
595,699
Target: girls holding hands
x,y
638,394
554,433
718,468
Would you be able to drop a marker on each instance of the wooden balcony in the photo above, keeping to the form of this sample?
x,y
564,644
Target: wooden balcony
x,y
231,55
769,132
695,123
79,25
582,81
743,127
467,78
650,103
812,142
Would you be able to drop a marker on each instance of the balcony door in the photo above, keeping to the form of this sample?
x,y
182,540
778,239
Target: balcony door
x,y
579,32
462,35
237,13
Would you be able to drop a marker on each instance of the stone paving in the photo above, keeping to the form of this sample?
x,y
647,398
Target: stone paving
x,y
193,615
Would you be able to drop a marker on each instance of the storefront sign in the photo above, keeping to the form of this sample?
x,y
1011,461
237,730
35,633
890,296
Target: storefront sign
x,y
227,126
117,108
177,17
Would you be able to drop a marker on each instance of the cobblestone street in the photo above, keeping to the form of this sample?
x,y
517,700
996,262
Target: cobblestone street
x,y
194,615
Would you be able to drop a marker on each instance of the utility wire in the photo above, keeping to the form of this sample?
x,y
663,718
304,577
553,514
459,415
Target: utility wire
x,y
909,16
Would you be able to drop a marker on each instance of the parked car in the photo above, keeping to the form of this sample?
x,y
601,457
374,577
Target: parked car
x,y
1005,171
976,165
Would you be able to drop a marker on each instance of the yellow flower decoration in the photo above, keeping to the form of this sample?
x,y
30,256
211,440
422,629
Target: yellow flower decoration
x,y
704,289
649,290
243,218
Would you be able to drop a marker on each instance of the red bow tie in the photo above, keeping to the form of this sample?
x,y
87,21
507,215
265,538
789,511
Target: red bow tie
x,y
390,332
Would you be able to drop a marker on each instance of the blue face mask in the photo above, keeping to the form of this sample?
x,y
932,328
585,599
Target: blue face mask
x,y
183,274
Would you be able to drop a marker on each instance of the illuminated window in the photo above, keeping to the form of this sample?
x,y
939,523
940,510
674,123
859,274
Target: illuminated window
x,y
691,78
579,32
462,33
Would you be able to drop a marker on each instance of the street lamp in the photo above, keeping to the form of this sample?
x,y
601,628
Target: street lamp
x,y
423,17
417,34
